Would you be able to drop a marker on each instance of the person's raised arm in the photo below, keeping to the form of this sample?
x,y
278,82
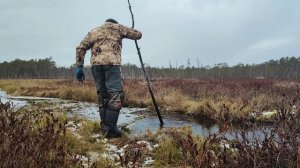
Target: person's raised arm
x,y
130,33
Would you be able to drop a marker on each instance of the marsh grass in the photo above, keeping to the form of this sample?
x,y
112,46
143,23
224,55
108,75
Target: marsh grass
x,y
104,162
39,137
82,93
168,153
277,146
64,89
219,100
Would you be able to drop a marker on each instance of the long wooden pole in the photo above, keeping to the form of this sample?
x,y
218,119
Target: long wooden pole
x,y
145,74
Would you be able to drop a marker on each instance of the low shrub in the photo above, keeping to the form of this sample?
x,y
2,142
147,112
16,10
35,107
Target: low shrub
x,y
33,139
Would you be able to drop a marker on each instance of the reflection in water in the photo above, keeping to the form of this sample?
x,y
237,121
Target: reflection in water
x,y
153,124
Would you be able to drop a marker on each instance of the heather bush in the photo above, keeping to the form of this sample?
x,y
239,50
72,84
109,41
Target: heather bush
x,y
33,139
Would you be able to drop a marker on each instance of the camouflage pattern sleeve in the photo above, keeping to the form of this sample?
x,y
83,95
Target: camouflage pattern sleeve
x,y
84,45
130,33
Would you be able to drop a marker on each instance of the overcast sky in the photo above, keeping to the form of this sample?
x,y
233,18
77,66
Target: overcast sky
x,y
212,31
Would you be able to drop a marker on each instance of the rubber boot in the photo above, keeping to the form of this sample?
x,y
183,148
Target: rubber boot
x,y
102,112
110,128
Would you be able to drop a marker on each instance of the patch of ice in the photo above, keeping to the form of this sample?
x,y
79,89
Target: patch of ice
x,y
148,161
156,146
96,136
269,113
111,147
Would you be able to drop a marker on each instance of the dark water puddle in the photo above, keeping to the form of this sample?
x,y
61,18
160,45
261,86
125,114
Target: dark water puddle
x,y
153,124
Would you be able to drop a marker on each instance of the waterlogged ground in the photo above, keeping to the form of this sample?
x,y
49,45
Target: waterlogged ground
x,y
137,120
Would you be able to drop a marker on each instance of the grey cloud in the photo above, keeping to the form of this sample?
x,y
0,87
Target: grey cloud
x,y
214,31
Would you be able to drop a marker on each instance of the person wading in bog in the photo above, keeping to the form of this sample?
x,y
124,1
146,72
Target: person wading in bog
x,y
105,43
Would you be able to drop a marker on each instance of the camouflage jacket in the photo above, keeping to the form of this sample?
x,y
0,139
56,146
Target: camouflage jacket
x,y
105,43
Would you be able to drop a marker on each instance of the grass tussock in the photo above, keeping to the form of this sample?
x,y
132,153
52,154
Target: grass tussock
x,y
105,162
177,148
84,93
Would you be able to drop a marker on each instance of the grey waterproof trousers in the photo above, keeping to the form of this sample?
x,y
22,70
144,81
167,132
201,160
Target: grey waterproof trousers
x,y
109,85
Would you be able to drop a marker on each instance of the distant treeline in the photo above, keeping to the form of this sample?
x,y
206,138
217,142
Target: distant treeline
x,y
284,68
42,68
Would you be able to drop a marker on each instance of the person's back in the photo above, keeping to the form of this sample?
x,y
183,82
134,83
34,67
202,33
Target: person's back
x,y
105,43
